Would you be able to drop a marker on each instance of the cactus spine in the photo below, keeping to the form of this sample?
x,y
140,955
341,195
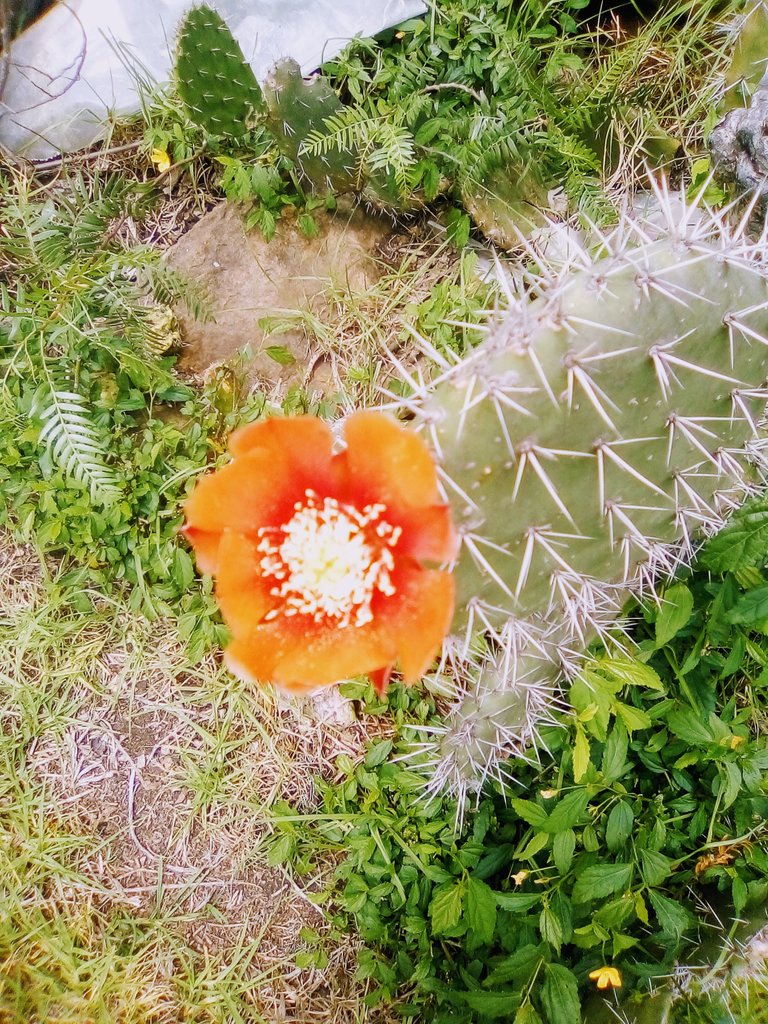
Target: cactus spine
x,y
611,416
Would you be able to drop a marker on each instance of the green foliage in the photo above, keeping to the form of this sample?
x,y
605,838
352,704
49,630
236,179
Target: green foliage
x,y
215,82
96,458
537,99
575,866
530,103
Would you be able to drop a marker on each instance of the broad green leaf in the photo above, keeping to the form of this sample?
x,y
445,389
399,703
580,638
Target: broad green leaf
x,y
567,812
527,1015
615,753
654,867
675,612
282,851
536,844
689,728
480,902
562,850
619,826
551,929
751,608
580,753
560,995
730,778
517,902
633,718
614,914
601,880
743,542
446,906
673,920
631,672
280,354
518,968
530,812
378,753
494,1005
589,839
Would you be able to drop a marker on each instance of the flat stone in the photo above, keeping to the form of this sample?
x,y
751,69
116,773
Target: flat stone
x,y
248,279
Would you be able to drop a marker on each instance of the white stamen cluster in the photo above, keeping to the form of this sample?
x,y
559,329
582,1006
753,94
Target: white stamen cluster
x,y
329,560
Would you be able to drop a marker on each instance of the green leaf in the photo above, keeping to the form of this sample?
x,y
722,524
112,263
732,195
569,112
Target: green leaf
x,y
633,718
495,1005
688,727
560,995
567,812
615,753
673,920
751,608
536,844
580,753
631,672
530,812
619,826
739,894
282,851
730,778
445,908
517,902
654,867
480,901
601,880
551,929
743,542
675,612
562,850
280,354
378,753
518,968
527,1015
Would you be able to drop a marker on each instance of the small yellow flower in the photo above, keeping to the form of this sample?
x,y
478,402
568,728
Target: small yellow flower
x,y
161,160
520,877
606,977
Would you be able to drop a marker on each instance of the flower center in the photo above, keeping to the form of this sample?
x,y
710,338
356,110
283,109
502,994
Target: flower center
x,y
329,560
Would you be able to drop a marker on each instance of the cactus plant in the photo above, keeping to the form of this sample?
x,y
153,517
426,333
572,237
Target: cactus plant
x,y
610,417
215,82
298,108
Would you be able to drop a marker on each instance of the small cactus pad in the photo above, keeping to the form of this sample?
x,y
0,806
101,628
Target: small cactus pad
x,y
215,82
298,107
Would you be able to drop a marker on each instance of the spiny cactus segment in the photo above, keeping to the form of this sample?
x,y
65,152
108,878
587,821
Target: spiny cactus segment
x,y
611,417
215,82
298,108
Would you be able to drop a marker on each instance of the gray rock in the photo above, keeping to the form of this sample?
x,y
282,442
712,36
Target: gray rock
x,y
739,144
249,279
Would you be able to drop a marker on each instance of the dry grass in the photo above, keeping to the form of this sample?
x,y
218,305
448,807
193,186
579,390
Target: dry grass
x,y
135,808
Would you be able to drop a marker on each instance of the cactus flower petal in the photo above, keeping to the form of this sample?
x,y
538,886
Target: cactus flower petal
x,y
390,464
319,557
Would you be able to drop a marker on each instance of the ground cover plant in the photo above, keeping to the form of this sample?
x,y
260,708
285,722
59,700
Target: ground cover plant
x,y
627,852
636,844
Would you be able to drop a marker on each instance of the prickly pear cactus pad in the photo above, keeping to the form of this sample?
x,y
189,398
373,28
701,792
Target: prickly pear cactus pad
x,y
297,108
612,416
215,82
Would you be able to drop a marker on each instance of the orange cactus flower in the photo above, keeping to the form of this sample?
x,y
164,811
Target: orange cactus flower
x,y
322,560
606,977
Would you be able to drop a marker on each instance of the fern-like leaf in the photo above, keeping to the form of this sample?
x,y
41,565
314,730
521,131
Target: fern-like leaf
x,y
73,442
